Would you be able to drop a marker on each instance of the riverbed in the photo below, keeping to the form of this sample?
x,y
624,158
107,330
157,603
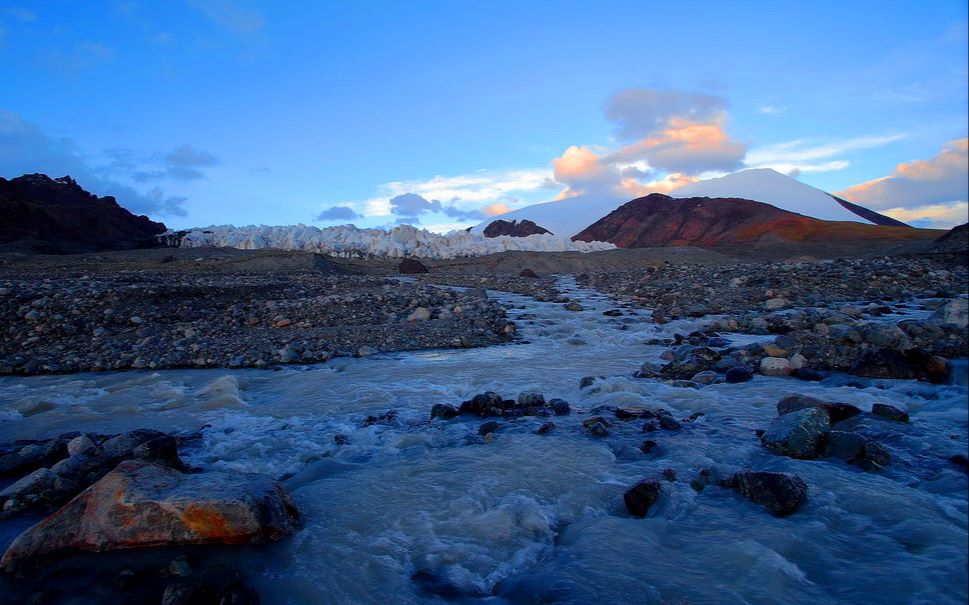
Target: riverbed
x,y
413,511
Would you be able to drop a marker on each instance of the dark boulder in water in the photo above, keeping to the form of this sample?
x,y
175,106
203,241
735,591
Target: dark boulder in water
x,y
836,411
640,497
780,493
797,434
443,411
889,412
738,374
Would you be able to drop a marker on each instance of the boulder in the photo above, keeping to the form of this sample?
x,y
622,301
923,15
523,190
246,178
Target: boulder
x,y
738,374
443,411
41,488
775,366
954,312
142,504
837,411
32,456
780,493
410,266
889,412
560,407
797,434
640,497
528,273
844,445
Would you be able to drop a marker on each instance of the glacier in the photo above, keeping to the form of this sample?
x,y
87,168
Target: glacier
x,y
349,241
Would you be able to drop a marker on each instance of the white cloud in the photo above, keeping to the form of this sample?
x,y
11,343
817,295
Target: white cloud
x,y
771,110
805,155
936,216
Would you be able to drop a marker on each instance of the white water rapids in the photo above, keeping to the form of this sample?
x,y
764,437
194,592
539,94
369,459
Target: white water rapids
x,y
539,518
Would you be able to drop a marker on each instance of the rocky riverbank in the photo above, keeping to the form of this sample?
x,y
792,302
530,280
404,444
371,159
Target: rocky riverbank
x,y
152,319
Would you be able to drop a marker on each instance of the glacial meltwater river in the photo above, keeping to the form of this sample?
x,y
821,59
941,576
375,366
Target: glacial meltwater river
x,y
424,512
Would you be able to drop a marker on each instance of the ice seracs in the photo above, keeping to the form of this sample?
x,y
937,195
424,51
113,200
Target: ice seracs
x,y
400,242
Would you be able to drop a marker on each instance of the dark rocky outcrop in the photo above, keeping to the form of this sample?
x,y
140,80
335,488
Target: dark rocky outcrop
x,y
661,220
142,504
55,216
522,228
956,240
411,266
640,497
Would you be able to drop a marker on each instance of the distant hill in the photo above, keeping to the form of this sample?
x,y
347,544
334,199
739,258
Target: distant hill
x,y
956,240
661,220
41,214
571,216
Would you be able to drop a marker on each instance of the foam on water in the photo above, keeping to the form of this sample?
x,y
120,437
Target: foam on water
x,y
410,509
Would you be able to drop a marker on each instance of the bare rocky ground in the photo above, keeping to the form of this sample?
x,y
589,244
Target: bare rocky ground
x,y
153,309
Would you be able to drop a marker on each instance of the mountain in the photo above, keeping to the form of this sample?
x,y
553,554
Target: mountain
x,y
787,193
48,215
662,220
571,216
522,228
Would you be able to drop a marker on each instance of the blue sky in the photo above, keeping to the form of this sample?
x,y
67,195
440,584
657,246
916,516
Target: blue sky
x,y
235,111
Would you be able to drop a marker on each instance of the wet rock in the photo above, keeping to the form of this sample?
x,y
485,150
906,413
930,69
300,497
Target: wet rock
x,y
41,488
640,497
411,266
650,427
31,456
484,404
954,313
123,445
574,306
844,445
598,428
531,399
718,475
163,450
142,504
387,417
961,461
588,381
443,411
807,374
876,456
775,366
647,446
488,427
836,411
891,363
612,313
705,377
341,439
797,434
883,410
546,428
629,413
738,374
780,493
669,474
82,444
559,407
669,423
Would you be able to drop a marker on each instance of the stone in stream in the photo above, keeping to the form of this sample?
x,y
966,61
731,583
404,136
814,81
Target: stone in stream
x,y
527,399
844,445
738,374
797,434
143,504
443,411
31,456
669,423
954,313
640,497
780,493
574,306
647,446
889,412
488,427
775,366
836,411
559,407
546,428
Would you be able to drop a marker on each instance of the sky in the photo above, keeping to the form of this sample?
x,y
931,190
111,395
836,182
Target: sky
x,y
440,114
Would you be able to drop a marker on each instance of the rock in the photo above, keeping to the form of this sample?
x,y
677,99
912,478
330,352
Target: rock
x,y
647,446
640,497
142,504
588,381
669,423
574,306
612,313
836,411
883,410
410,266
40,488
528,273
546,428
797,434
875,456
484,404
122,446
81,444
780,493
738,374
844,445
891,363
32,456
775,303
366,351
488,427
954,312
705,377
597,428
443,411
531,399
341,439
282,323
420,314
775,366
559,407
163,450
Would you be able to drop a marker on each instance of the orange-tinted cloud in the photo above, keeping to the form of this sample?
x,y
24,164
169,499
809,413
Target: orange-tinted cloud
x,y
495,209
942,179
688,147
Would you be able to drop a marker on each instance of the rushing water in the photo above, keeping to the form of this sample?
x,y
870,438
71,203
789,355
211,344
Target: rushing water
x,y
416,512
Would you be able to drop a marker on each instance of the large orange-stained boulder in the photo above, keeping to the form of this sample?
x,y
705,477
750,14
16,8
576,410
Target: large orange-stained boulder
x,y
142,504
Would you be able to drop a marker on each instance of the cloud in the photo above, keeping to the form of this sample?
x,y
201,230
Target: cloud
x,y
338,213
183,162
668,131
412,205
771,110
932,216
234,16
640,112
940,180
495,209
803,151
24,148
